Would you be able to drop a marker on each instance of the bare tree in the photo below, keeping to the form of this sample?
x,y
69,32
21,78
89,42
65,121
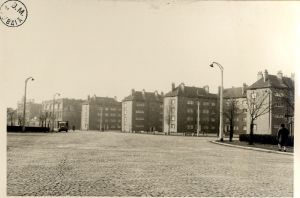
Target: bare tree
x,y
257,105
231,112
168,116
11,116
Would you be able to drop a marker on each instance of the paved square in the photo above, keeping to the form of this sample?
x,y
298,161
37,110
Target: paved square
x,y
122,164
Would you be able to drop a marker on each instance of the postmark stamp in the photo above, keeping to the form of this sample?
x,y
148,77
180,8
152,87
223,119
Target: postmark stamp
x,y
13,13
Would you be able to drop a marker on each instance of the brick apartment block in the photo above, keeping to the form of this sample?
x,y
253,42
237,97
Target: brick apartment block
x,y
142,111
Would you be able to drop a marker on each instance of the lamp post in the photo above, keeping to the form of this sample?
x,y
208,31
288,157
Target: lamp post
x,y
53,117
24,107
221,100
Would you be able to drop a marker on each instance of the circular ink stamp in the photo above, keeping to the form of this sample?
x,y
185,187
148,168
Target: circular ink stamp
x,y
13,13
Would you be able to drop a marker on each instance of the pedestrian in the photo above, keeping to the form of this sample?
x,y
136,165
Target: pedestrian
x,y
282,137
73,128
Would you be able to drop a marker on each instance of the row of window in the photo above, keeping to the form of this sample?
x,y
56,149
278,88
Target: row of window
x,y
191,102
111,120
227,127
205,111
204,127
107,114
201,119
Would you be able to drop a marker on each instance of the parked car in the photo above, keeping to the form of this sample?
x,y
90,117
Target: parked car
x,y
63,126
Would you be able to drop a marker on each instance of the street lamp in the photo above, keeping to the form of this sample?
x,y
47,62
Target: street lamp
x,y
24,108
221,100
53,118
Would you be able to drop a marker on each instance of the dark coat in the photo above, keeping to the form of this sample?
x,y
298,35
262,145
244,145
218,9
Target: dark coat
x,y
282,136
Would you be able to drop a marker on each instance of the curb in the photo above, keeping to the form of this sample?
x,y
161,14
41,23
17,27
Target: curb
x,y
251,148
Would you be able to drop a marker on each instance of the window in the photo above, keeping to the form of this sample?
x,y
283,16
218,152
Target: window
x,y
139,126
278,116
190,126
190,110
245,119
237,119
190,119
172,101
106,114
244,110
112,114
172,118
205,127
213,119
235,128
140,104
205,103
139,111
173,110
213,127
244,128
253,95
190,102
213,104
206,111
276,126
172,126
139,118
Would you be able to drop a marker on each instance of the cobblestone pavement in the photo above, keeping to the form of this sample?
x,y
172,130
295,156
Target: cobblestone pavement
x,y
122,164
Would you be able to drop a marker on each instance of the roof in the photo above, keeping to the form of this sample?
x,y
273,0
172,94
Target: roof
x,y
234,92
190,92
273,82
100,100
142,96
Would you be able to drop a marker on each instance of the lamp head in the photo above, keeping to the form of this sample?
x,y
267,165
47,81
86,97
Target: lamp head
x,y
211,65
32,79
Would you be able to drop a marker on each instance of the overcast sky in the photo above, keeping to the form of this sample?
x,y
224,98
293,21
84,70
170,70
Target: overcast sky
x,y
107,48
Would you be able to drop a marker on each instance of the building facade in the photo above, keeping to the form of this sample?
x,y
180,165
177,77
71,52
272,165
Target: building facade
x,y
32,113
62,109
142,111
101,113
235,109
273,97
183,104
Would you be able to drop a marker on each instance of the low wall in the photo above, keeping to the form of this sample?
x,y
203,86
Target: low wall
x,y
27,129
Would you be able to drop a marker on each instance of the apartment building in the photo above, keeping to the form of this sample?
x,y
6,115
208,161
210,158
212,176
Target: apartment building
x,y
65,109
101,113
275,93
235,109
142,111
32,112
182,106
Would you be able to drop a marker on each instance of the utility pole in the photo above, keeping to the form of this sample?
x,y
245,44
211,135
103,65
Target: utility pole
x,y
24,107
198,118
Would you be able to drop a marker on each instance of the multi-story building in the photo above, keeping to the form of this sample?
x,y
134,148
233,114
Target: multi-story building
x,y
235,109
65,109
181,107
142,111
273,97
32,112
101,113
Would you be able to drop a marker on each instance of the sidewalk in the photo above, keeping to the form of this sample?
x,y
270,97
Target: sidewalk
x,y
255,147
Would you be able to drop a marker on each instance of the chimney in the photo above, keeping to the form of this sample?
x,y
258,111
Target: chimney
x,y
244,88
182,86
279,75
173,86
132,92
266,76
293,76
144,93
259,75
206,88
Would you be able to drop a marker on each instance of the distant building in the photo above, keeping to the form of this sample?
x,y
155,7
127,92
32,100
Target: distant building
x,y
181,110
279,92
65,109
142,111
235,100
32,112
101,113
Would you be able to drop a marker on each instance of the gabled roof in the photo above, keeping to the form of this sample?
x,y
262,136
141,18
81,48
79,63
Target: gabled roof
x,y
143,96
273,81
190,92
234,92
100,100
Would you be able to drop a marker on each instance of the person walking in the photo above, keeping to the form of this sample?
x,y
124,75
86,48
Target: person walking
x,y
282,137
